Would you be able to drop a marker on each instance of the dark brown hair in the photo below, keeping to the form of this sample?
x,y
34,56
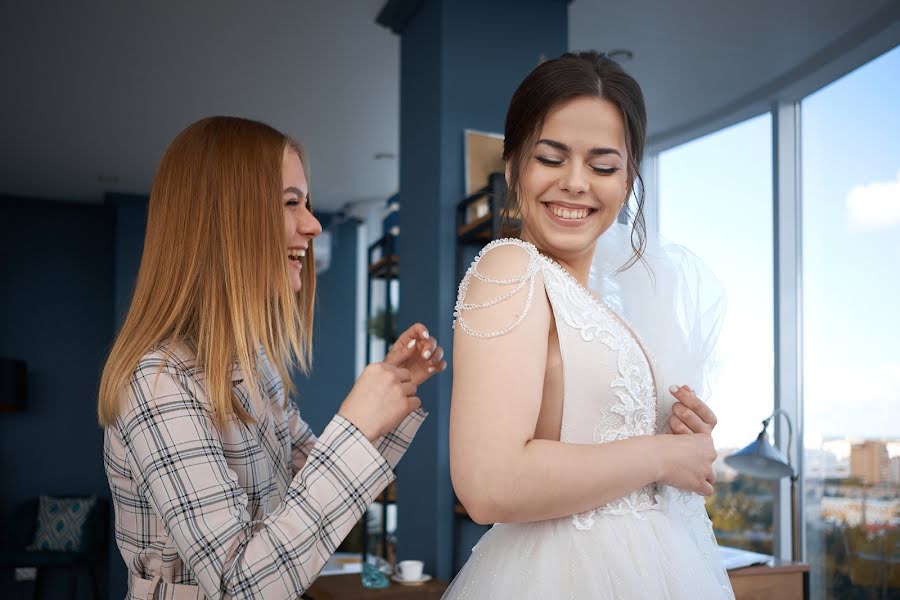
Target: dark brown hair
x,y
554,82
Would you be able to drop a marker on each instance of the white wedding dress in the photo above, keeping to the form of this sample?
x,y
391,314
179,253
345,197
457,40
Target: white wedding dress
x,y
655,543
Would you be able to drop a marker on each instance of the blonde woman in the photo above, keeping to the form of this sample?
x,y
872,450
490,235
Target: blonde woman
x,y
220,489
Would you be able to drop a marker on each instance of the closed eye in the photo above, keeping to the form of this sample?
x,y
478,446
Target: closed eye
x,y
604,170
297,202
550,162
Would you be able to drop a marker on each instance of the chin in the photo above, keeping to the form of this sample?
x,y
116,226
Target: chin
x,y
568,242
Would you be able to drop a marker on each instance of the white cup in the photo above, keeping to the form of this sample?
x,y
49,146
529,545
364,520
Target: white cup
x,y
409,570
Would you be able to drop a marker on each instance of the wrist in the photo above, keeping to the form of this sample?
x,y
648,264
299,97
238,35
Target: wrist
x,y
367,432
659,453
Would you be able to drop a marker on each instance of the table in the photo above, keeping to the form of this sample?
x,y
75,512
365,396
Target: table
x,y
783,580
349,587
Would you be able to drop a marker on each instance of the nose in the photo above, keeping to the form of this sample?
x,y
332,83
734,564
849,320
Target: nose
x,y
308,225
572,178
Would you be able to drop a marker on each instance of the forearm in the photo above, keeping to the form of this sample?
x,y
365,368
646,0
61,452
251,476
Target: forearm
x,y
548,479
326,499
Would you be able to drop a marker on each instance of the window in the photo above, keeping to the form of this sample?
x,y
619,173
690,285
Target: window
x,y
715,198
851,326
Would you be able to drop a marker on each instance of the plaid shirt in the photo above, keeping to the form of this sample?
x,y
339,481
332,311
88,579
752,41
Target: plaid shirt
x,y
250,511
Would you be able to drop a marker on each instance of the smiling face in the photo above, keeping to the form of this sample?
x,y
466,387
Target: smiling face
x,y
576,179
300,226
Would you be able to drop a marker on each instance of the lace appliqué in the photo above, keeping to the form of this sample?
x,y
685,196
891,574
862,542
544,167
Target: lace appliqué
x,y
519,282
635,412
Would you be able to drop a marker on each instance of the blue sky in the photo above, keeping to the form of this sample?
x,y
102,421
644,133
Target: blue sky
x,y
716,198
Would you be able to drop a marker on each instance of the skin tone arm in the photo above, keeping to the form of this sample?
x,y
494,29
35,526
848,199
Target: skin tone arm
x,y
500,472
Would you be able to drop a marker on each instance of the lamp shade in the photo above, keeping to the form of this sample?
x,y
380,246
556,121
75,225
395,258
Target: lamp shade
x,y
760,459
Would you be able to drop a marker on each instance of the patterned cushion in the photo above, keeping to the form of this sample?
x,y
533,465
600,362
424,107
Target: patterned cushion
x,y
60,523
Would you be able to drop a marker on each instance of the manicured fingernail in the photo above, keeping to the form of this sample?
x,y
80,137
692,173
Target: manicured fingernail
x,y
426,355
431,369
673,389
411,343
425,334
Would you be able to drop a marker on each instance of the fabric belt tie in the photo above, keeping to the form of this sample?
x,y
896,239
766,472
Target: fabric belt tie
x,y
158,589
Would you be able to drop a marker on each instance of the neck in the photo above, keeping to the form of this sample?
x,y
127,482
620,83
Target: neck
x,y
577,263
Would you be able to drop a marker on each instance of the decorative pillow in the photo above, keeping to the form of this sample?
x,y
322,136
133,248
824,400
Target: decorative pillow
x,y
61,523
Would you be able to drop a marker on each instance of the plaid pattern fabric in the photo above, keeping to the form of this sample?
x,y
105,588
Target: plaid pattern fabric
x,y
247,511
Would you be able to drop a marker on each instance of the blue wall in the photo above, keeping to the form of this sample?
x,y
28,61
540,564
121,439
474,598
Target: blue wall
x,y
131,223
57,288
460,62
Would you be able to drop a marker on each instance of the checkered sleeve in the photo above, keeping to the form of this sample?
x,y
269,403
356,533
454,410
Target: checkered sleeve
x,y
176,455
303,440
394,444
391,446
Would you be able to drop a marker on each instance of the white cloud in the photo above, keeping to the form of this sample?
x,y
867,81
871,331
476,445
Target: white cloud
x,y
874,206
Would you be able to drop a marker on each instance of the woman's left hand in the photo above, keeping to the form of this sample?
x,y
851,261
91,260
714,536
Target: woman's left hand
x,y
418,352
690,414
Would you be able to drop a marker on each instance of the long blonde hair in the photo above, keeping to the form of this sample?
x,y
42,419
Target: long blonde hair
x,y
214,271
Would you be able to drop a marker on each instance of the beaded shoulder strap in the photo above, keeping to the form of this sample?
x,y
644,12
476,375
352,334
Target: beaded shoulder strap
x,y
519,282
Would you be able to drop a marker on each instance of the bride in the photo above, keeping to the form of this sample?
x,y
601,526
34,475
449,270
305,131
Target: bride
x,y
565,430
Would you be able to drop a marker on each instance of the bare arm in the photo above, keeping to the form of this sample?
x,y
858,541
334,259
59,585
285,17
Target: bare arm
x,y
500,473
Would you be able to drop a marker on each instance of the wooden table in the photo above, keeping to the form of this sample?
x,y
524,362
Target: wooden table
x,y
349,587
781,581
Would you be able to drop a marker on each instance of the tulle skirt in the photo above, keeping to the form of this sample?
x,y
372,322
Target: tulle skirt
x,y
653,554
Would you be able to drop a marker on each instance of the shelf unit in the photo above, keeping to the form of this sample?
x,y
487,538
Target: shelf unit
x,y
383,266
474,231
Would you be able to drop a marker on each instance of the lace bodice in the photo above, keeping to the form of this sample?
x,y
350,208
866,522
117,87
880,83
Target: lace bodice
x,y
608,388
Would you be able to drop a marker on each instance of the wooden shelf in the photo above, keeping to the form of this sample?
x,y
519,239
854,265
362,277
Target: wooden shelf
x,y
469,230
384,268
390,492
481,229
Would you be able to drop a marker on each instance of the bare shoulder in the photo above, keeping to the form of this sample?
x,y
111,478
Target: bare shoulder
x,y
506,258
502,287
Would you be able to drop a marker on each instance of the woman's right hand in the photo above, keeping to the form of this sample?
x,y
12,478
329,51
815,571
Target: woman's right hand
x,y
380,399
687,462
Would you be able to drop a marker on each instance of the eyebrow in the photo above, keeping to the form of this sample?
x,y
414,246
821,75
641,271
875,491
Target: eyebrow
x,y
294,190
592,151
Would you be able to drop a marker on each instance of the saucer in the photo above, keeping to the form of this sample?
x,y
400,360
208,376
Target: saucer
x,y
418,581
